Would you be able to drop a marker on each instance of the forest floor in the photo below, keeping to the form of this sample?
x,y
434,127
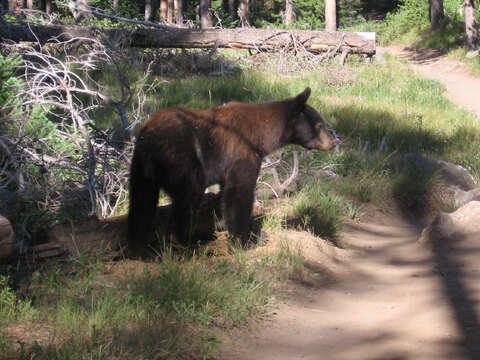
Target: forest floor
x,y
382,295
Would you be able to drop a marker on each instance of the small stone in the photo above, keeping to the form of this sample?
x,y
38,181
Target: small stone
x,y
472,54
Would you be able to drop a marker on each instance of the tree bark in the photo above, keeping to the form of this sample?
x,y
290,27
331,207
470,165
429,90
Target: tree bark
x,y
205,17
470,25
170,11
262,39
330,15
148,10
243,12
14,5
231,8
29,4
46,5
115,6
288,15
83,12
178,4
436,13
163,10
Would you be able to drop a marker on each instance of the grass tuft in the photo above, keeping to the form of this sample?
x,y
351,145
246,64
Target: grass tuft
x,y
319,210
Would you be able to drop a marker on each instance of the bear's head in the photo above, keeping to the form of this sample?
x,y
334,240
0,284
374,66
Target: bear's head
x,y
309,128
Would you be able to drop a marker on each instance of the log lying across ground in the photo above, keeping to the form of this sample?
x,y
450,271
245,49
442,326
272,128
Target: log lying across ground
x,y
170,37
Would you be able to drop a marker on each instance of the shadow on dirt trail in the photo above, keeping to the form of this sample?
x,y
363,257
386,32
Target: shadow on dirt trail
x,y
457,263
389,297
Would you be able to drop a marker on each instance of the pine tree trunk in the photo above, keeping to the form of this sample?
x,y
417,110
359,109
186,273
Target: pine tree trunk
x,y
148,10
163,10
178,4
83,10
436,13
170,11
288,15
231,8
330,15
14,5
29,4
46,5
205,18
470,25
243,12
115,6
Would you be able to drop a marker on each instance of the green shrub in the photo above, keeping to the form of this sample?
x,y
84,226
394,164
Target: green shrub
x,y
11,307
10,85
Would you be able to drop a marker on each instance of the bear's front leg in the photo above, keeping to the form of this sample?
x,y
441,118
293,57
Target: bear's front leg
x,y
238,195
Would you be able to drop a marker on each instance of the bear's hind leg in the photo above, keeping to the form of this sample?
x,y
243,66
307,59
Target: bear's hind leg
x,y
143,205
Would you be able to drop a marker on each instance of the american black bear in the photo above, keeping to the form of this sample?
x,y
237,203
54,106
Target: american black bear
x,y
183,151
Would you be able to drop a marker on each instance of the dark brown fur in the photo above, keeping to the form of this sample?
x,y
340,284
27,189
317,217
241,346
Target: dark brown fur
x,y
183,151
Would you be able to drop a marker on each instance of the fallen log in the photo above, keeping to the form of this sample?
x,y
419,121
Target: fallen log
x,y
239,38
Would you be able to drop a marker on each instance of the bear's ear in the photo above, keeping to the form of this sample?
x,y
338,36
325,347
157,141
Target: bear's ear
x,y
300,101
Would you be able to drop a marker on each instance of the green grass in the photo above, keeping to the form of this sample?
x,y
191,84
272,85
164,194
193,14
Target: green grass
x,y
319,210
164,311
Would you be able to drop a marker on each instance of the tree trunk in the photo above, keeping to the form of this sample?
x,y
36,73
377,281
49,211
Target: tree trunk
x,y
14,5
263,39
288,15
205,17
148,10
170,11
470,25
243,12
231,8
46,5
115,6
83,12
436,13
29,4
178,11
330,15
163,10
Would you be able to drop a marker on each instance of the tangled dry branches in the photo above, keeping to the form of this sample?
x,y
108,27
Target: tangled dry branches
x,y
54,153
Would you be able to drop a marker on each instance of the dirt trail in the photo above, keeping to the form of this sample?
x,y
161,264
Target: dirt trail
x,y
389,298
461,87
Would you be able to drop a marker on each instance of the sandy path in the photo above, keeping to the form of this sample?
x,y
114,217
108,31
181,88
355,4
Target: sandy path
x,y
391,298
461,87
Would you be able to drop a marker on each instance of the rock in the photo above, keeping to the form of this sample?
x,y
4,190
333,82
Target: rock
x,y
464,197
472,54
7,240
463,223
454,175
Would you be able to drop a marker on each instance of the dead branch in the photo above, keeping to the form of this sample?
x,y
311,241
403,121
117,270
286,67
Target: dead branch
x,y
57,78
277,187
